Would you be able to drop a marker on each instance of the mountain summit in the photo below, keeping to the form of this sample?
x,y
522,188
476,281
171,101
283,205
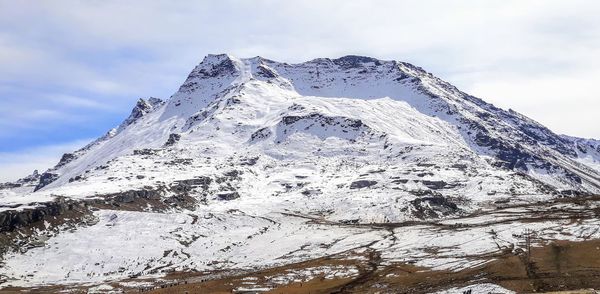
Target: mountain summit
x,y
245,143
335,103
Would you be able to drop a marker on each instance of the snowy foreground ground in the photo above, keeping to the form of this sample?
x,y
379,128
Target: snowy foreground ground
x,y
147,245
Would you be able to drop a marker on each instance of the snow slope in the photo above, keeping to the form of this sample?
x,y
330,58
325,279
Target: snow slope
x,y
350,140
227,103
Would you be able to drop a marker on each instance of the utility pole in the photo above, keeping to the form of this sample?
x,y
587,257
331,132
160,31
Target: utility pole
x,y
528,244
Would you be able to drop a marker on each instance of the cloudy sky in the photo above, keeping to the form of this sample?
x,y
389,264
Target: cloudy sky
x,y
71,70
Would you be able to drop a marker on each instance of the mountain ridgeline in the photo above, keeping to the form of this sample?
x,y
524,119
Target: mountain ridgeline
x,y
218,87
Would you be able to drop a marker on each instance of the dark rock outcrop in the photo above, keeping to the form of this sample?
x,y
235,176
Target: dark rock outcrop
x,y
187,185
265,72
45,179
145,151
351,61
228,195
13,219
437,185
133,195
362,184
65,159
173,138
433,207
142,107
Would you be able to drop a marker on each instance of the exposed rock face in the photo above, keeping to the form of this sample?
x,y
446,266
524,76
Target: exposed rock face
x,y
351,124
228,195
179,190
66,158
133,195
266,72
9,185
141,108
173,138
362,184
351,61
45,179
436,185
224,67
187,185
13,219
17,223
145,151
433,207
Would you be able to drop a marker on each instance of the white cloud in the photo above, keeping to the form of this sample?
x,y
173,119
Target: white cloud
x,y
567,105
74,101
505,50
18,164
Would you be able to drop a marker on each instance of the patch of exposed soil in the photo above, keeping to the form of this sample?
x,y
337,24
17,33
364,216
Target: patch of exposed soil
x,y
558,266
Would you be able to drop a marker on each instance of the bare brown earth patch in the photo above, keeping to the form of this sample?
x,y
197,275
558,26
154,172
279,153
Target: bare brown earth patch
x,y
556,266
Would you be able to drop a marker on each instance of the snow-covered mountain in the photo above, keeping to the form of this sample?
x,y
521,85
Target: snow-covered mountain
x,y
351,140
353,107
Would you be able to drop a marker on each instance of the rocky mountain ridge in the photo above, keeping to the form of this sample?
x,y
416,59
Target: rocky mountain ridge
x,y
513,140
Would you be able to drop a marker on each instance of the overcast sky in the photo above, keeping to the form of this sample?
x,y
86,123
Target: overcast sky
x,y
71,70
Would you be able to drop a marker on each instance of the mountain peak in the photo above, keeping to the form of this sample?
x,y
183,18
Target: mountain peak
x,y
356,61
215,73
217,58
141,108
217,64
